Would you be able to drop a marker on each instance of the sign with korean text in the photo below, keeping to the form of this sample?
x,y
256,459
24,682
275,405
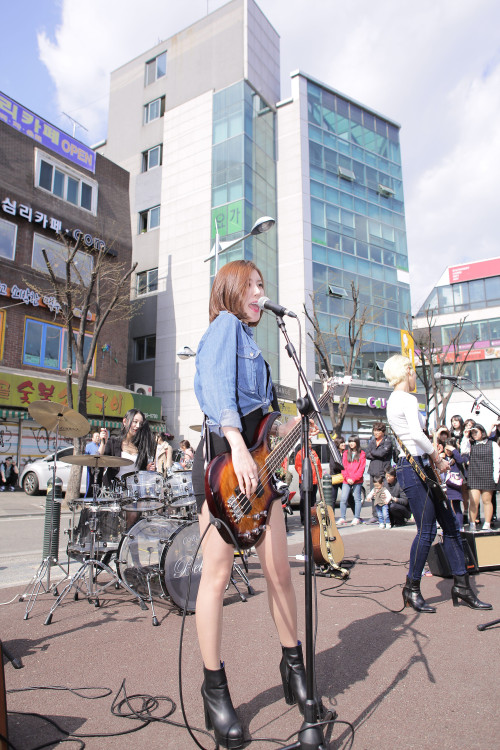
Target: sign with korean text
x,y
22,390
479,270
229,219
23,120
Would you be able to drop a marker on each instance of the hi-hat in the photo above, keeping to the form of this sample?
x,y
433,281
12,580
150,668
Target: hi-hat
x,y
195,427
52,416
97,461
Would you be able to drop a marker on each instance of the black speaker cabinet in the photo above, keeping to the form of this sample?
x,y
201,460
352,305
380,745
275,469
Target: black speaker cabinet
x,y
438,562
485,546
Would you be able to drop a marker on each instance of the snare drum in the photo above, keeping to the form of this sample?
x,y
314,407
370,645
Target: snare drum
x,y
144,485
183,509
162,550
110,529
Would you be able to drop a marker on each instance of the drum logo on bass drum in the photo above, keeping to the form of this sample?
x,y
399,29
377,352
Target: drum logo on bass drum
x,y
182,566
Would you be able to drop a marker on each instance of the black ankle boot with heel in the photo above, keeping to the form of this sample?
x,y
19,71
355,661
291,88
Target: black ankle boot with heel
x,y
462,591
293,676
219,711
412,597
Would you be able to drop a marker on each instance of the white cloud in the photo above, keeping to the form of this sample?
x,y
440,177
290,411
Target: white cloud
x,y
431,66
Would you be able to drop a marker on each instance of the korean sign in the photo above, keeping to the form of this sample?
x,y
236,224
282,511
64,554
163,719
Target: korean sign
x,y
43,132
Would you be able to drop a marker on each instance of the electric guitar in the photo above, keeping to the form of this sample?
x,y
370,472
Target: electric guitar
x,y
328,547
436,484
246,516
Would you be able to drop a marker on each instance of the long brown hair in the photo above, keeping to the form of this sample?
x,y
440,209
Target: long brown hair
x,y
229,287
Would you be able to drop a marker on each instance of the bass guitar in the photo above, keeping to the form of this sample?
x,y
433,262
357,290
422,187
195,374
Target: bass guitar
x,y
328,547
246,516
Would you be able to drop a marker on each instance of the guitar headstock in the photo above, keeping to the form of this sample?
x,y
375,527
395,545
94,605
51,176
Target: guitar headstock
x,y
330,383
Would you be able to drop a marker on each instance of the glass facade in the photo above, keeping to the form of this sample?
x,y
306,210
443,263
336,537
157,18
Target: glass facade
x,y
358,227
483,360
244,189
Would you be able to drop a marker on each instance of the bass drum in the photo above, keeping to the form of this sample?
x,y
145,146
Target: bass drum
x,y
110,529
161,550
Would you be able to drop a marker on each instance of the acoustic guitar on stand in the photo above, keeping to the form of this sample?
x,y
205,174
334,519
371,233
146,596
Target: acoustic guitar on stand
x,y
328,547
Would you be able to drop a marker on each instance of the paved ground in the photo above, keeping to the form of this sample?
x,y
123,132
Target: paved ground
x,y
396,679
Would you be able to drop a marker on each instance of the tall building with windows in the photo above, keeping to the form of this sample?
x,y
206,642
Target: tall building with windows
x,y
199,123
342,222
468,296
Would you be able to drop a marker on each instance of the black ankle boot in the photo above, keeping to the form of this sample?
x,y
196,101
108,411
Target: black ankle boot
x,y
293,676
412,597
219,712
462,590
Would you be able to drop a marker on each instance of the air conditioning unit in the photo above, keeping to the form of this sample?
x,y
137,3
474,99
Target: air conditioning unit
x,y
144,390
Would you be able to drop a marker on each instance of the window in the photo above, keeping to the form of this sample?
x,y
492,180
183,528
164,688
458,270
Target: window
x,y
57,253
147,281
8,235
149,219
155,109
152,158
156,68
145,348
65,183
45,345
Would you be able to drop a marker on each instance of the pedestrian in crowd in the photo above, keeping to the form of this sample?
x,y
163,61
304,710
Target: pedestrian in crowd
x,y
457,428
380,497
92,449
399,511
187,454
407,423
379,452
164,454
9,474
440,438
335,473
454,478
354,461
317,474
483,474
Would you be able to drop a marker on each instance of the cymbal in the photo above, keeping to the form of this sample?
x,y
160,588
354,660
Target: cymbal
x,y
52,416
97,462
196,427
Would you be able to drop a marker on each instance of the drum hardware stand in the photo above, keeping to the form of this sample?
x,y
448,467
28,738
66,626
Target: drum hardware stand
x,y
89,567
69,423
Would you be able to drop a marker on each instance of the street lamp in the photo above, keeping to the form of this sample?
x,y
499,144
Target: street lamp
x,y
186,353
261,225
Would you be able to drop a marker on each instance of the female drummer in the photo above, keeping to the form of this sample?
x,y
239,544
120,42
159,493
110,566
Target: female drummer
x,y
135,442
234,389
407,423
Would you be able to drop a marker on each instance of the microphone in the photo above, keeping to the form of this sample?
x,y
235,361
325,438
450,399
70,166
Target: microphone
x,y
265,304
453,378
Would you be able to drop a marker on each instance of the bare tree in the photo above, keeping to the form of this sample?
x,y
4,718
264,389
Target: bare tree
x,y
346,344
434,357
103,293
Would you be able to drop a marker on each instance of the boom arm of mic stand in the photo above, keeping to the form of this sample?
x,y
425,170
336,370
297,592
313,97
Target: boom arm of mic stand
x,y
479,400
290,349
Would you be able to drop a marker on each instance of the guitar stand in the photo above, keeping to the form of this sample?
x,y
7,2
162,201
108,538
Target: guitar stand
x,y
328,571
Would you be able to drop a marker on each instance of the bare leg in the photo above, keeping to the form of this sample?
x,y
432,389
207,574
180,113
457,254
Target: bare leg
x,y
475,496
273,556
218,558
486,497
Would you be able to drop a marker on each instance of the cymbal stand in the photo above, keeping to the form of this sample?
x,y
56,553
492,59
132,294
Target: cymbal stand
x,y
84,579
50,561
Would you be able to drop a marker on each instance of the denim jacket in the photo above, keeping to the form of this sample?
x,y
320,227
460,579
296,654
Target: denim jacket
x,y
231,374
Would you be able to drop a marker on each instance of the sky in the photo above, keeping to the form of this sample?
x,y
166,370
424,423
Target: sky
x,y
432,66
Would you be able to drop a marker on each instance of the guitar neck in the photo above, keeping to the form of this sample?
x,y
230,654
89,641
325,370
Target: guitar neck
x,y
279,453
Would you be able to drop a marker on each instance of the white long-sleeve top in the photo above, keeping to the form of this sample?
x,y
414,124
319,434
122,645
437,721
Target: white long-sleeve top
x,y
407,422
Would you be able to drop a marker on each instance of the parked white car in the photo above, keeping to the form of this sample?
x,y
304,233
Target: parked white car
x,y
36,474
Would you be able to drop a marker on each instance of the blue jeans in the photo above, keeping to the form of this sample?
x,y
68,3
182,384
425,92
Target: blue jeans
x,y
383,513
356,491
425,512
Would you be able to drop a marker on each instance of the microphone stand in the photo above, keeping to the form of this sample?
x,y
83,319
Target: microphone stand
x,y
311,733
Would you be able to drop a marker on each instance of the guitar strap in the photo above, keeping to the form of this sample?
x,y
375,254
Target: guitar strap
x,y
420,472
